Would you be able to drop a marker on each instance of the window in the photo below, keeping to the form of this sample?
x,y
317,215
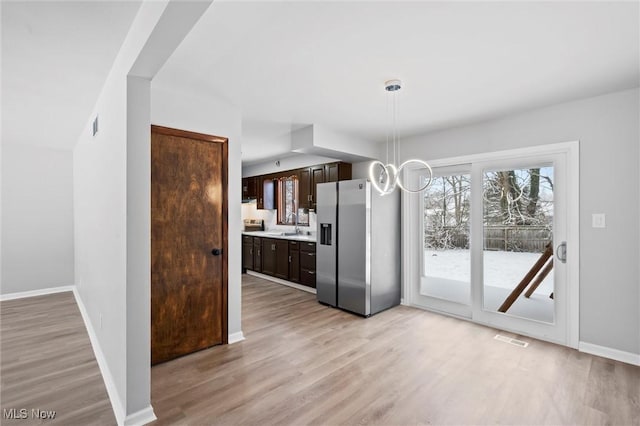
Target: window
x,y
288,203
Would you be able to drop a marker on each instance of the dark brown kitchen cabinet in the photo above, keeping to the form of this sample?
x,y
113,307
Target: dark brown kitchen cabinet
x,y
264,188
304,188
294,261
308,264
257,254
249,188
317,176
282,259
269,256
247,252
333,172
310,177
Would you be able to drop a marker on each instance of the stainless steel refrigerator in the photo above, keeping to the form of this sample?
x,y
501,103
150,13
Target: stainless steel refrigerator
x,y
358,247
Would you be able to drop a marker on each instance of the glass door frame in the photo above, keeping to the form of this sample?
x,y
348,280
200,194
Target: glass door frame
x,y
566,156
433,302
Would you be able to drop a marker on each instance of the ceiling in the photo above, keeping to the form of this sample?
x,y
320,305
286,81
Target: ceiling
x,y
56,56
290,64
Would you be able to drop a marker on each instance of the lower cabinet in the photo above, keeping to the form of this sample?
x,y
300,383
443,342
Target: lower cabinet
x,y
268,256
282,259
257,254
286,259
247,252
308,264
294,261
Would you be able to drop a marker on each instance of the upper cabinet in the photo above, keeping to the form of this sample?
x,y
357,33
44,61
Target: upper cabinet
x,y
337,171
250,188
263,188
312,176
304,187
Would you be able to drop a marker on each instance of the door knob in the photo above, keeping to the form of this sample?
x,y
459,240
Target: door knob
x,y
216,251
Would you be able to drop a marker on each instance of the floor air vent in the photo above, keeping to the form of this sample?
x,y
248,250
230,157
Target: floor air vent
x,y
515,342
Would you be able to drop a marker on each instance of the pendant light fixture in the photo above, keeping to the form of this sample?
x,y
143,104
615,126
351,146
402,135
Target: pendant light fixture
x,y
385,177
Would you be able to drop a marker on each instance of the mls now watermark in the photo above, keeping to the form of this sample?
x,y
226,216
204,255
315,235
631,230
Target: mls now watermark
x,y
23,413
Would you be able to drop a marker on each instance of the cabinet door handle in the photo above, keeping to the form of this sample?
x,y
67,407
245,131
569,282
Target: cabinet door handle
x,y
250,251
311,272
311,254
273,247
289,259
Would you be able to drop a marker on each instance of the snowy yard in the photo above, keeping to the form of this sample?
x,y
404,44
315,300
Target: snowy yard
x,y
448,276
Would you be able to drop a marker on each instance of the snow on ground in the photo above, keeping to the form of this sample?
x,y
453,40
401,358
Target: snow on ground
x,y
501,268
448,276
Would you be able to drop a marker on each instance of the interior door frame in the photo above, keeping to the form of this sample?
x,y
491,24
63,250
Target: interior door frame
x,y
168,131
411,262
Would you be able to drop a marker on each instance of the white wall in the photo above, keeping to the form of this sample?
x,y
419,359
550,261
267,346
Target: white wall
x,y
37,218
608,130
360,170
180,110
320,140
101,229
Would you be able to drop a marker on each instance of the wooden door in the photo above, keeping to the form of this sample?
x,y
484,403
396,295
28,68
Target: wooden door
x,y
188,242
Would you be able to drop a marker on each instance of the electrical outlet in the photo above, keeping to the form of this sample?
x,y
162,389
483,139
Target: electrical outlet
x,y
598,220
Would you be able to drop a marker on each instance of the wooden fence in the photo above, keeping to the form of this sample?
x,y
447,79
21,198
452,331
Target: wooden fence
x,y
532,239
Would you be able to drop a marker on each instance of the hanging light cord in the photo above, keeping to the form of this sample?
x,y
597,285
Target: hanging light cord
x,y
389,175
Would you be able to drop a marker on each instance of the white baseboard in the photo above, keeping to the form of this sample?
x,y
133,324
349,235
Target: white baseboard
x,y
283,282
33,293
107,377
605,352
141,417
235,337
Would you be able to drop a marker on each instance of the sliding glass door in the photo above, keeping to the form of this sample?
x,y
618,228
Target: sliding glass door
x,y
493,237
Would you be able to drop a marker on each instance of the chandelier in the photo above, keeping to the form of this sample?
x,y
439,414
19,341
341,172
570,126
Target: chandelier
x,y
385,177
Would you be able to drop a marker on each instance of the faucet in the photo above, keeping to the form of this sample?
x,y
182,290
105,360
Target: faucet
x,y
294,213
297,228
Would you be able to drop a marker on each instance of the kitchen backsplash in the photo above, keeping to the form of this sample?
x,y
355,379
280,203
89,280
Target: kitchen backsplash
x,y
270,217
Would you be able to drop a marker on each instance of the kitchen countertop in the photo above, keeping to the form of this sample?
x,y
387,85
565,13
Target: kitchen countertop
x,y
279,235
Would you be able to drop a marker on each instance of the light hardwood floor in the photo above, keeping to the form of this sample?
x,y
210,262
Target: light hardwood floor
x,y
48,363
304,363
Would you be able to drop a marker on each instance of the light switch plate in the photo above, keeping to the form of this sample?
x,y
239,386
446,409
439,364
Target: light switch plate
x,y
598,220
